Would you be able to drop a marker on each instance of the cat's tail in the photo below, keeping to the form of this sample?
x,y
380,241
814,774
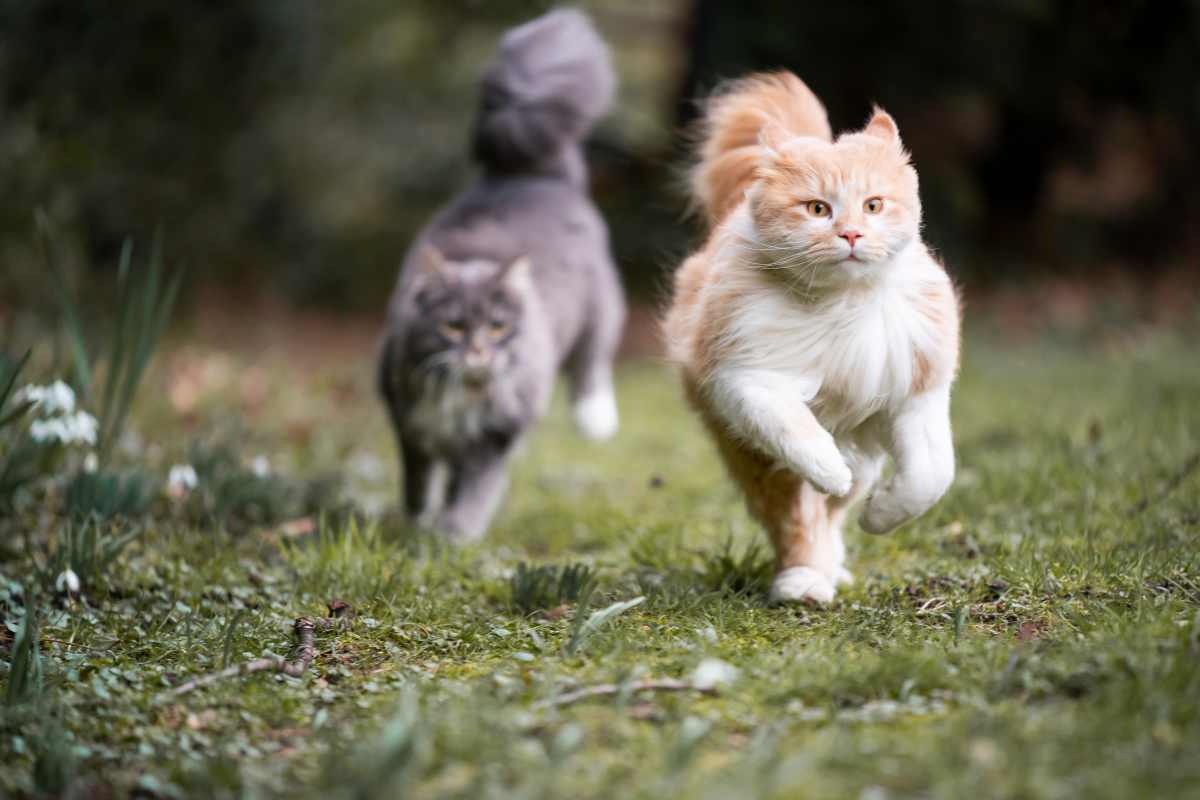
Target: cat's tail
x,y
550,82
729,141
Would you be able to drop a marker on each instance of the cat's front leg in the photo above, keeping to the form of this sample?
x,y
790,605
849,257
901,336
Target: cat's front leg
x,y
767,410
922,446
424,482
478,486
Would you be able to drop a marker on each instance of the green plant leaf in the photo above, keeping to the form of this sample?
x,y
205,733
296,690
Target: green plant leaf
x,y
583,632
25,675
75,338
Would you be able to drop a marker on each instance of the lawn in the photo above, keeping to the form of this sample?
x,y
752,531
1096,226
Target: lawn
x,y
1037,634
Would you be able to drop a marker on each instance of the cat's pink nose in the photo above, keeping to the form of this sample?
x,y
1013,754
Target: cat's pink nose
x,y
851,237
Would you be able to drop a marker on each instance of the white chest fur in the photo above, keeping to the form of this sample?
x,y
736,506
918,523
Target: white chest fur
x,y
852,352
448,414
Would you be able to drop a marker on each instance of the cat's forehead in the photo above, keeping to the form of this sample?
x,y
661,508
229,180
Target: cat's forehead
x,y
852,163
473,271
466,285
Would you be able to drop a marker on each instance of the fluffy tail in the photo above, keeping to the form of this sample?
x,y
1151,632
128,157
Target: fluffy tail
x,y
551,80
730,147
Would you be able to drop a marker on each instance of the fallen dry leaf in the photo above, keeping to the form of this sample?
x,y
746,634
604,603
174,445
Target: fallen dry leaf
x,y
558,612
1030,630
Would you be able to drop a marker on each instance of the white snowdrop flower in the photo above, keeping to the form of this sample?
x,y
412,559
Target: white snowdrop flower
x,y
712,673
72,429
91,462
31,393
261,466
60,398
67,582
374,503
81,427
181,480
367,466
57,398
47,430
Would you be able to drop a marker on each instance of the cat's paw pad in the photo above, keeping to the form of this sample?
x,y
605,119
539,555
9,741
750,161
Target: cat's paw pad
x,y
596,415
801,585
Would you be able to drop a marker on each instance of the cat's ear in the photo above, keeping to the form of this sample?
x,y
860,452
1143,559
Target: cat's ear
x,y
882,126
516,274
772,137
431,262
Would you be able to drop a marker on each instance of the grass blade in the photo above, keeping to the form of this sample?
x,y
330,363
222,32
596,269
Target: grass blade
x,y
70,311
10,379
25,675
116,358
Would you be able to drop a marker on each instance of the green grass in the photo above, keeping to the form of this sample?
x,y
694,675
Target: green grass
x,y
1036,635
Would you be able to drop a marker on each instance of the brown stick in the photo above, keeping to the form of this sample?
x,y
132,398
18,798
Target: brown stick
x,y
608,689
76,645
305,630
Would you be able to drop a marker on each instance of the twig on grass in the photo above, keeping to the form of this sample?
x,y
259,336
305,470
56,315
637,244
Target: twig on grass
x,y
304,628
77,646
608,689
1173,483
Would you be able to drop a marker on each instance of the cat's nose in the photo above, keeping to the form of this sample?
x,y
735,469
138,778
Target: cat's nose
x,y
851,237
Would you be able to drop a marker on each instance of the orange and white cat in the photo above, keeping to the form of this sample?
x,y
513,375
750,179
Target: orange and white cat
x,y
816,332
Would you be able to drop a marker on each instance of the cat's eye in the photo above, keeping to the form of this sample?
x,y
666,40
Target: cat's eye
x,y
818,208
499,327
873,205
453,329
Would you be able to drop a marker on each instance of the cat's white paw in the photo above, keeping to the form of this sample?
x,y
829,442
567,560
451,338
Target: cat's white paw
x,y
820,461
878,522
596,415
842,576
884,512
460,532
801,585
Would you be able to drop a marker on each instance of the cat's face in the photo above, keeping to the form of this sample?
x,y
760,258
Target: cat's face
x,y
469,317
836,210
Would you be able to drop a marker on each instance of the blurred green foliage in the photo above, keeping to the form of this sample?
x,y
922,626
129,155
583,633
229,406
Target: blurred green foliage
x,y
235,497
295,147
298,144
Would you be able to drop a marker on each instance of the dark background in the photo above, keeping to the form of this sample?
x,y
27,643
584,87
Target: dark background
x,y
290,149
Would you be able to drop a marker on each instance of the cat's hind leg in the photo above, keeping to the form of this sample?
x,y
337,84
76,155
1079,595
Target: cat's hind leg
x,y
595,409
804,524
590,369
809,551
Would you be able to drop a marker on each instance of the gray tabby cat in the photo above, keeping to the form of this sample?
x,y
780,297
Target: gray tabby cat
x,y
511,282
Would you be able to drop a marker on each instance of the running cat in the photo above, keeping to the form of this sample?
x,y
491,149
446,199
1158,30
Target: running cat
x,y
816,332
509,283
